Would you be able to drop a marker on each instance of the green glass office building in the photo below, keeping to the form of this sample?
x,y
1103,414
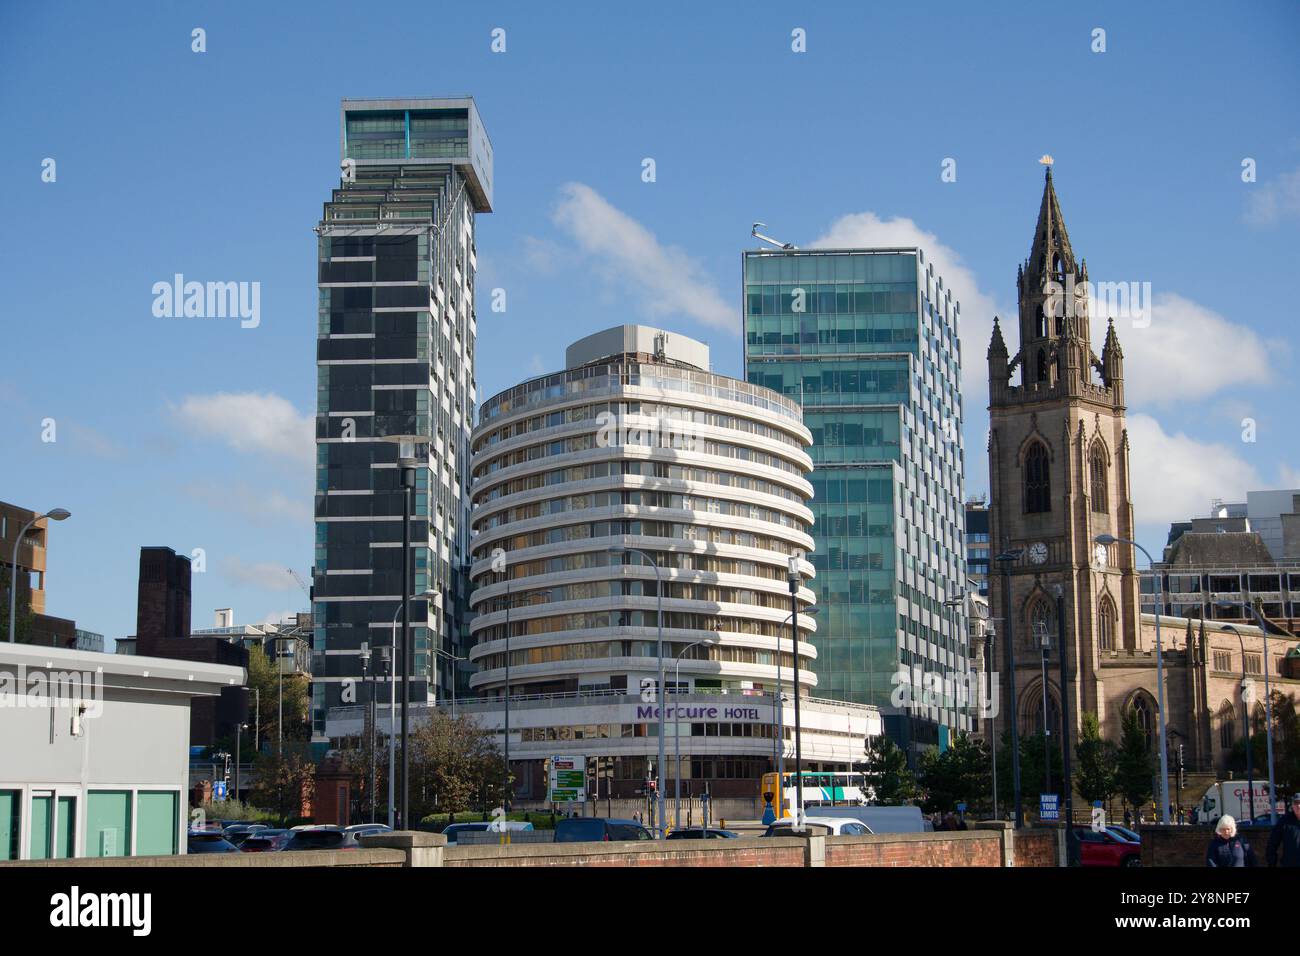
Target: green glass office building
x,y
867,341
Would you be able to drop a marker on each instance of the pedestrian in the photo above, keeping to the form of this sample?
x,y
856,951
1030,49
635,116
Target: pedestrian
x,y
1128,818
1286,837
1226,848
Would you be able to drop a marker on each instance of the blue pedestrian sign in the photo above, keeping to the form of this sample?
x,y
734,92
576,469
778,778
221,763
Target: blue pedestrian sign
x,y
219,790
1049,806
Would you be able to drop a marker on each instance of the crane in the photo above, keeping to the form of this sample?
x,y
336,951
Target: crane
x,y
301,583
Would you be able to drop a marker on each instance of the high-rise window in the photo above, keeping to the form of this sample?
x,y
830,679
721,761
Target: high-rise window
x,y
1038,482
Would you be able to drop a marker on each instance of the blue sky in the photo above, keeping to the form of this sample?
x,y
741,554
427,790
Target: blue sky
x,y
196,433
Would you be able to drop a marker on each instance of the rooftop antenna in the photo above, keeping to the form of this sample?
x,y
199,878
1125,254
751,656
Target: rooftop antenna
x,y
786,246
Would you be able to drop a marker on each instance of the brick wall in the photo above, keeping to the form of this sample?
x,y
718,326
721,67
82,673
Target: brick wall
x,y
916,849
776,851
1186,845
1036,847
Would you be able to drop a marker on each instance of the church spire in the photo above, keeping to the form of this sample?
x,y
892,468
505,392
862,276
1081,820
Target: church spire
x,y
1051,255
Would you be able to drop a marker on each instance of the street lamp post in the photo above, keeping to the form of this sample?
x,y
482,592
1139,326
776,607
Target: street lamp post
x,y
1045,643
1006,559
988,632
795,577
505,782
778,734
1245,722
677,734
239,728
392,704
1109,539
56,514
1262,623
620,549
407,464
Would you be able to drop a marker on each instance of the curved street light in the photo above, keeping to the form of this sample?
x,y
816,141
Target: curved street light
x,y
1109,539
55,514
1268,702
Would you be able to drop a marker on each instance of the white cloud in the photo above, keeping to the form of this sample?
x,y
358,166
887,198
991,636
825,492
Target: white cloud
x,y
1275,200
1176,477
1186,353
252,422
866,229
263,575
665,279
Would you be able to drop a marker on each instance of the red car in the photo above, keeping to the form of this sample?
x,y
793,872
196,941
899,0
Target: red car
x,y
1106,849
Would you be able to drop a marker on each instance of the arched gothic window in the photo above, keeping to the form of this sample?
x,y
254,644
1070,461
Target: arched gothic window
x,y
1227,718
1039,617
1042,366
1106,623
1097,473
1038,482
1145,716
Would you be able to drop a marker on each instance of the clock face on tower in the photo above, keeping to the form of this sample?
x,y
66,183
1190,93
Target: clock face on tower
x,y
1099,553
1038,552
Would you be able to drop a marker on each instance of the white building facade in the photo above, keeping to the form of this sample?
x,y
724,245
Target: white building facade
x,y
701,481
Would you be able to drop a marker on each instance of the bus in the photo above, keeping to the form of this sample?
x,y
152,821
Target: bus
x,y
821,788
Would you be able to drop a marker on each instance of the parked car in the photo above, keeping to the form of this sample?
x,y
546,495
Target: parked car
x,y
329,837
208,841
368,829
265,841
587,829
237,833
452,831
1103,848
822,826
700,833
1125,833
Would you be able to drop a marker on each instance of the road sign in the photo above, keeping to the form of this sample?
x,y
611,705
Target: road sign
x,y
568,782
1049,806
219,790
961,808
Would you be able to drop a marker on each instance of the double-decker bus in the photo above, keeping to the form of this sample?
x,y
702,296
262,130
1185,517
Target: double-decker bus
x,y
821,788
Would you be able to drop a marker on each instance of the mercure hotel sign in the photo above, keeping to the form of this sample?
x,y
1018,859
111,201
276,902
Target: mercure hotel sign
x,y
697,712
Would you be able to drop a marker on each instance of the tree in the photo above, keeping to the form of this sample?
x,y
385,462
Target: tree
x,y
1135,764
455,765
1034,750
960,774
1094,776
285,780
264,689
887,775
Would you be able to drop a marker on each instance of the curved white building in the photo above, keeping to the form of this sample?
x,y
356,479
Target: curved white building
x,y
636,445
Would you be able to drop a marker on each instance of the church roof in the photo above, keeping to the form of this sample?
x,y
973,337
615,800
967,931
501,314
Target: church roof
x,y
1219,550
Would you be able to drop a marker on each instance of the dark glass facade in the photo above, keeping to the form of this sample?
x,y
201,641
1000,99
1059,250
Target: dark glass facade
x,y
395,356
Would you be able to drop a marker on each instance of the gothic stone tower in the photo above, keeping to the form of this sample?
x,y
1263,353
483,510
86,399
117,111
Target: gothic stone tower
x,y
1059,476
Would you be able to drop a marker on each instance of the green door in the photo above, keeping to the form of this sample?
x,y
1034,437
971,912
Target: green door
x,y
10,820
65,831
42,822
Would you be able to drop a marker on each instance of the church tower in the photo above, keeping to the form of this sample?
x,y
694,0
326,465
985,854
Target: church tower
x,y
1059,475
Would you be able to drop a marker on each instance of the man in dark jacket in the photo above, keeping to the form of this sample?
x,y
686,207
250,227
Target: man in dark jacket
x,y
1286,837
1228,849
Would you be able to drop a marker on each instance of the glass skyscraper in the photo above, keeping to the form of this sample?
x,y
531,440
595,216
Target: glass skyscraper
x,y
395,356
867,342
